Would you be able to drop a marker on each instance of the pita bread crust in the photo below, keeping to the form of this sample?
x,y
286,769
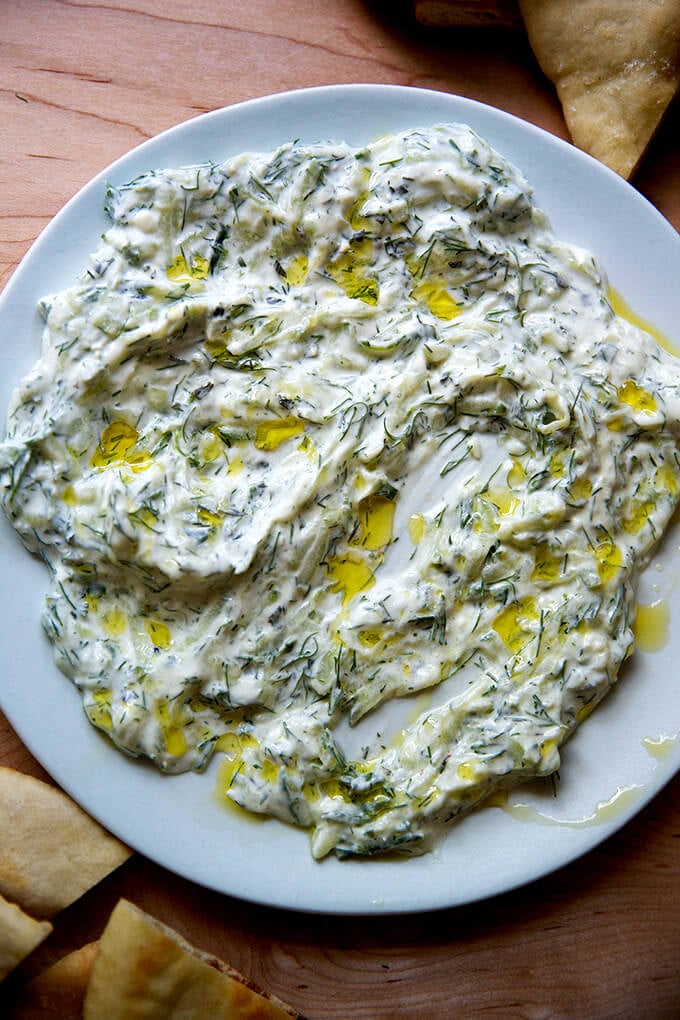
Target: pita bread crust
x,y
58,992
616,67
146,971
51,851
19,935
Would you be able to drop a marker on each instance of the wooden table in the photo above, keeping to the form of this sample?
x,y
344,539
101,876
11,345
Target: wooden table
x,y
81,82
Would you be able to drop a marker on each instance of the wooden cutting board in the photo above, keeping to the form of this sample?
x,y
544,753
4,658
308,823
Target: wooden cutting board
x,y
81,82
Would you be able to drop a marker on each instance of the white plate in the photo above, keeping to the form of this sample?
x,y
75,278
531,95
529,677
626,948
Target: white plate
x,y
177,821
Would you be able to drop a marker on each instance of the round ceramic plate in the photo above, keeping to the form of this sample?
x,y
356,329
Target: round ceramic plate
x,y
616,762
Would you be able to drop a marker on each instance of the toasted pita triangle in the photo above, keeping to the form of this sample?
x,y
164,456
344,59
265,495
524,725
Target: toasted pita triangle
x,y
145,969
51,851
58,992
19,935
616,67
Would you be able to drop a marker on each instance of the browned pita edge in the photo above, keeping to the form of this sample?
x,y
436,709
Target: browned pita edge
x,y
142,964
616,67
468,13
58,992
51,851
20,934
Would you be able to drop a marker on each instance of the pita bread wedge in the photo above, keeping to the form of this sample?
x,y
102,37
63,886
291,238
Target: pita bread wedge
x,y
146,970
51,852
58,992
615,65
19,935
468,13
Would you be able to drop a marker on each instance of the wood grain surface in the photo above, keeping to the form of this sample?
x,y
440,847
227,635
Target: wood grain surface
x,y
80,84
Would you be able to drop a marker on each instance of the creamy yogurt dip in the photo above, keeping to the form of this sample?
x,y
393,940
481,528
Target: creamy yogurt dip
x,y
326,430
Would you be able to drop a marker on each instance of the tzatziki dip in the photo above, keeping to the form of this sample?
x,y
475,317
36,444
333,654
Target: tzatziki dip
x,y
346,469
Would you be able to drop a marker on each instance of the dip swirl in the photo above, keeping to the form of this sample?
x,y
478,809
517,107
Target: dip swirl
x,y
323,429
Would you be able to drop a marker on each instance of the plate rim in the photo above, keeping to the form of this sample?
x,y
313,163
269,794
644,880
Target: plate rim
x,y
201,123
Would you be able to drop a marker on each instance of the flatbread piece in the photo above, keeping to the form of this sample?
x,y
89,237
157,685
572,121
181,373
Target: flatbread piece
x,y
144,969
616,67
19,935
58,992
51,851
